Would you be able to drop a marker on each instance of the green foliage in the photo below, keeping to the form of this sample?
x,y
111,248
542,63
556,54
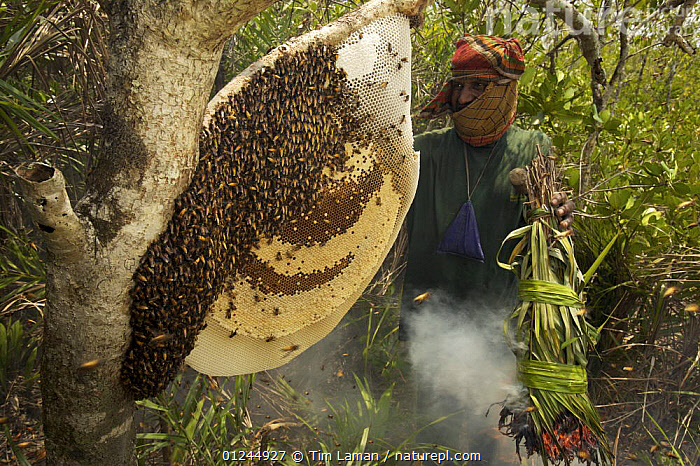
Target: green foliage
x,y
370,424
17,356
277,24
197,425
21,292
21,268
23,29
555,98
372,415
640,184
50,79
380,339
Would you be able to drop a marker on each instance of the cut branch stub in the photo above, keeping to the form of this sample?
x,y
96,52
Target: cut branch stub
x,y
45,191
36,172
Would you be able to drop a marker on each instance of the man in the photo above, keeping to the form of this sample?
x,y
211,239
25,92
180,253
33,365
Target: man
x,y
481,96
465,205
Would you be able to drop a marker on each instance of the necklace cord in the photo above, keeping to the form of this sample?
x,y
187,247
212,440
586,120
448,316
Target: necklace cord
x,y
466,166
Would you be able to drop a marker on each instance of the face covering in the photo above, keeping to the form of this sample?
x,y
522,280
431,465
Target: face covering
x,y
488,117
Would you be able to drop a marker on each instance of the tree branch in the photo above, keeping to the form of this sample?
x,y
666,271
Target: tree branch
x,y
552,54
162,63
619,73
587,37
45,194
674,36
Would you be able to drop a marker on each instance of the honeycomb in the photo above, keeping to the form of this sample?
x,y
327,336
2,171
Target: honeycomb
x,y
306,172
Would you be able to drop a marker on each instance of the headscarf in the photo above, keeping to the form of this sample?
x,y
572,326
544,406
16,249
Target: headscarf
x,y
496,60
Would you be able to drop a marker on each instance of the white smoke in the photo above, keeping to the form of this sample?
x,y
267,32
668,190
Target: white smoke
x,y
461,362
462,355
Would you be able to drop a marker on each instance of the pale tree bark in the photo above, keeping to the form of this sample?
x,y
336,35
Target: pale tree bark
x,y
163,60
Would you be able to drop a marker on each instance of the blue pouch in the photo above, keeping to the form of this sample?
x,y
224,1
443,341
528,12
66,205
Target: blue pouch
x,y
462,236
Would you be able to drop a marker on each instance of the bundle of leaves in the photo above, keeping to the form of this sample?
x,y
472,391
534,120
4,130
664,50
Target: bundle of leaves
x,y
550,336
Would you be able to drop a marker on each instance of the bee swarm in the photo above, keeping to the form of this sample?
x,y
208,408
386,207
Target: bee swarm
x,y
263,160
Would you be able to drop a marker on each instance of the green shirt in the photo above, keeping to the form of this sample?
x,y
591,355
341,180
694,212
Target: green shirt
x,y
442,189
